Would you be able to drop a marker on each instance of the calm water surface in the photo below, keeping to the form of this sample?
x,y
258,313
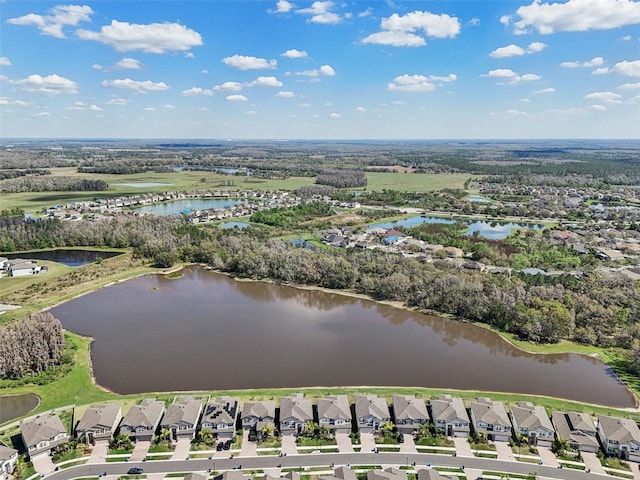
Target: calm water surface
x,y
179,206
15,406
71,258
208,331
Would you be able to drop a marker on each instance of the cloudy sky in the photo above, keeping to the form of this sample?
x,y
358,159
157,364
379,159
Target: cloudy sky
x,y
363,69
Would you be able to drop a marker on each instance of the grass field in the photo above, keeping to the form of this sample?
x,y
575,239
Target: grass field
x,y
34,202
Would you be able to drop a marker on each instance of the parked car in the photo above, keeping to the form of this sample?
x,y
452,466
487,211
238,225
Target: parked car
x,y
227,445
135,471
219,446
400,438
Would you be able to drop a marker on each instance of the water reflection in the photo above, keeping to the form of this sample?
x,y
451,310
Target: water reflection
x,y
208,331
16,406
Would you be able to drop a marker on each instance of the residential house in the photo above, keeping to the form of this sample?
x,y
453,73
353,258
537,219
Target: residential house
x,y
220,416
619,437
256,415
99,422
295,412
21,268
449,416
41,434
181,417
431,474
532,422
8,460
141,421
491,419
371,412
334,413
577,429
340,473
390,473
409,412
196,476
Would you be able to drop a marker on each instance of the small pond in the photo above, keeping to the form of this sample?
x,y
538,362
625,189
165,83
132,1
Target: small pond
x,y
492,230
16,406
240,225
190,205
71,258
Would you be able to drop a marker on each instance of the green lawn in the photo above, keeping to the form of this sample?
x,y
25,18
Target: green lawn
x,y
415,182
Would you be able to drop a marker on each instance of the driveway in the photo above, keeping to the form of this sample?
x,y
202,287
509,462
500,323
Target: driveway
x,y
43,464
344,442
504,451
99,452
249,449
547,456
289,444
463,447
592,463
140,450
367,442
183,446
409,446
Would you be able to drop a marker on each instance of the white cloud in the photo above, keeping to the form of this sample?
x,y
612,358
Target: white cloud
x,y
97,66
77,106
118,101
418,83
630,86
366,13
474,22
285,94
243,62
395,39
321,12
283,6
600,108
335,115
237,98
304,105
136,86
594,62
5,62
229,87
169,106
327,70
14,103
544,90
149,109
517,51
193,91
265,82
400,31
58,17
609,97
95,108
574,16
626,68
149,38
204,71
49,85
42,114
517,113
293,53
250,112
129,63
189,55
512,76
360,109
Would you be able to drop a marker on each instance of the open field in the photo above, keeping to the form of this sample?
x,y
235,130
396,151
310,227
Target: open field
x,y
34,202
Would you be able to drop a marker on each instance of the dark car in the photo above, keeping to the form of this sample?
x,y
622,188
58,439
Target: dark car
x,y
135,471
219,447
400,438
227,445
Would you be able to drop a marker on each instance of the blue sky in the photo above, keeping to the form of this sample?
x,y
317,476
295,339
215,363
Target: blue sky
x,y
320,70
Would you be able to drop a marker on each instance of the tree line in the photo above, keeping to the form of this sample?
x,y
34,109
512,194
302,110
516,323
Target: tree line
x,y
52,184
30,345
342,178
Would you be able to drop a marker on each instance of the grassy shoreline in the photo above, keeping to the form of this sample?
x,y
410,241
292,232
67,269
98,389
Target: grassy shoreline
x,y
79,387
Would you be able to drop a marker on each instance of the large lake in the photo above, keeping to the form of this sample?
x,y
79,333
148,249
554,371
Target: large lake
x,y
207,331
71,258
179,206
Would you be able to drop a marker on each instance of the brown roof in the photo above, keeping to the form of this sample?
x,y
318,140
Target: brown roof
x,y
41,428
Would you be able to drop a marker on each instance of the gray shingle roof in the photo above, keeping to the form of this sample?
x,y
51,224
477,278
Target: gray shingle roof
x,y
622,430
446,408
408,407
223,409
6,453
296,406
259,409
372,405
334,406
387,474
531,417
101,416
41,428
490,412
147,414
571,425
185,410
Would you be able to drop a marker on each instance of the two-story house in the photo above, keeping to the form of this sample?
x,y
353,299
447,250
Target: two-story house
x,y
256,415
371,412
220,416
409,412
533,423
8,460
577,429
181,417
41,434
620,437
449,416
490,418
334,413
295,412
141,421
99,422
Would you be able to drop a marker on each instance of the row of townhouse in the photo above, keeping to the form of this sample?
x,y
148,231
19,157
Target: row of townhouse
x,y
616,436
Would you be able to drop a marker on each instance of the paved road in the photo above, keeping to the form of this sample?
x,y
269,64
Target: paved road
x,y
384,458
